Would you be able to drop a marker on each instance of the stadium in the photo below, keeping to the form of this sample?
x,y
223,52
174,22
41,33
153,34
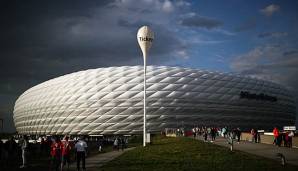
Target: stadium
x,y
110,101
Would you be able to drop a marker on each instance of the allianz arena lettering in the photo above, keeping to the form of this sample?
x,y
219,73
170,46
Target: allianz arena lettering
x,y
110,101
260,96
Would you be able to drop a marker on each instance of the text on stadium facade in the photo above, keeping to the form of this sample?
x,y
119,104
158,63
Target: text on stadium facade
x,y
260,96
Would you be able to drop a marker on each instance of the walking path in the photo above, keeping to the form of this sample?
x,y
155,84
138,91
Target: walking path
x,y
259,149
93,163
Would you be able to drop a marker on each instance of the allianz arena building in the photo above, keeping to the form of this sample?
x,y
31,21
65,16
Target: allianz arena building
x,y
110,101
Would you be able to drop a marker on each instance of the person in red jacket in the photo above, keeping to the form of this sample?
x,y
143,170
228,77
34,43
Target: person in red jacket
x,y
55,154
275,134
66,147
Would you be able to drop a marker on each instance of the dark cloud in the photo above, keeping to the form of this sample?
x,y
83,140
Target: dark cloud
x,y
40,40
7,101
48,39
247,25
272,34
201,22
291,52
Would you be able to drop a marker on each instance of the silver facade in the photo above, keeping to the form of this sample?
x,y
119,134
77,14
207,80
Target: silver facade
x,y
110,101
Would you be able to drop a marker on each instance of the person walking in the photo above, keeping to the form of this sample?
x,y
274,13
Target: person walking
x,y
11,149
253,135
43,147
258,137
194,132
24,146
205,135
238,134
286,139
116,144
1,147
81,148
291,135
65,152
224,132
213,134
275,134
55,154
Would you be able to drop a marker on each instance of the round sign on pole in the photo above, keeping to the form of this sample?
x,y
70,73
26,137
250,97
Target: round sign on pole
x,y
145,38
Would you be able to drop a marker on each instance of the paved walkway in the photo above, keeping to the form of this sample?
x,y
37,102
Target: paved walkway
x,y
264,150
94,162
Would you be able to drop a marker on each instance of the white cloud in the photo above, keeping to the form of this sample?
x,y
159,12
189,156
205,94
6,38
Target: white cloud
x,y
187,15
224,32
269,62
206,42
262,55
219,58
270,10
167,6
182,3
182,54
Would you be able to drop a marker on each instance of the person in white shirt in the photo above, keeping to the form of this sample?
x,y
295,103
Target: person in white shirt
x,y
291,135
81,148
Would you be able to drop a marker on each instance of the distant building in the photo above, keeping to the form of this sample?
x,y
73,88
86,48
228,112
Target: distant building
x,y
110,101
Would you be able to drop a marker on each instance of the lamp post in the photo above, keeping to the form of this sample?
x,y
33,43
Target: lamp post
x,y
145,38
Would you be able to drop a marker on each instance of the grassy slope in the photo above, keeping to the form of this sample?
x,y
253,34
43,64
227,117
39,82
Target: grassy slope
x,y
188,154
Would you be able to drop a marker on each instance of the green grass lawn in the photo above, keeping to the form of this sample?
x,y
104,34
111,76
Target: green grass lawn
x,y
188,154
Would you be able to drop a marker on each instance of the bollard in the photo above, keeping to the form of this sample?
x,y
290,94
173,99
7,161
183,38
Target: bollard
x,y
282,158
231,144
230,141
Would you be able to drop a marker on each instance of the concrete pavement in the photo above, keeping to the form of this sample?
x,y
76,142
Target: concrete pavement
x,y
93,163
259,149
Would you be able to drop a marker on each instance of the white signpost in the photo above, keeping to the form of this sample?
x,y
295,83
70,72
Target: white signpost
x,y
145,38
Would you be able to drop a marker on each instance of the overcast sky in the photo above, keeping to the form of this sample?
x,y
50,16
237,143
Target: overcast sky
x,y
41,40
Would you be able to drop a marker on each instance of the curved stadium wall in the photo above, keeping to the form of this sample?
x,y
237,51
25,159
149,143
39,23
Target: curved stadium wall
x,y
110,101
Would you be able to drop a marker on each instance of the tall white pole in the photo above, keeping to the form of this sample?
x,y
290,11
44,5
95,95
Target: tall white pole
x,y
144,126
145,38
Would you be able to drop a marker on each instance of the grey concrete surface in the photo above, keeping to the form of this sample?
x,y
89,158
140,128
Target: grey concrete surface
x,y
93,163
259,149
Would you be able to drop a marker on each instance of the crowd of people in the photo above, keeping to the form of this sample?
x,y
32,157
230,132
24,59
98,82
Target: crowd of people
x,y
284,138
210,133
60,151
8,151
255,135
120,143
63,151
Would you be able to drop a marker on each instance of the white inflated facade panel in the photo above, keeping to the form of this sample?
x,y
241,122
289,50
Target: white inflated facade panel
x,y
110,101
